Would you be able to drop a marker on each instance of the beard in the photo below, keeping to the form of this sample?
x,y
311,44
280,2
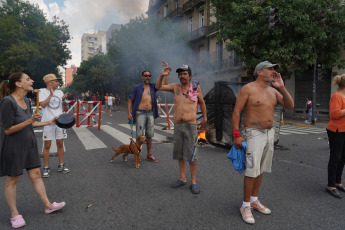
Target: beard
x,y
147,82
269,80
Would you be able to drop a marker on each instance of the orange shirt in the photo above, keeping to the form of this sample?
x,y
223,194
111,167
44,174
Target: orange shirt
x,y
106,99
336,104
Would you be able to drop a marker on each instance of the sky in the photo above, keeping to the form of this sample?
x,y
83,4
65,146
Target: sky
x,y
88,16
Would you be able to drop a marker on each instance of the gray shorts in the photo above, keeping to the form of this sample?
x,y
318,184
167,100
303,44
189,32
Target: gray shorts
x,y
260,146
185,142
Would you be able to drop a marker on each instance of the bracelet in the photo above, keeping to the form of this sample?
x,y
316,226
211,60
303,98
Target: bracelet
x,y
236,133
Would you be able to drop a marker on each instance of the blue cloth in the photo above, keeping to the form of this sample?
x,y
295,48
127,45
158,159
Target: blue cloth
x,y
137,94
238,157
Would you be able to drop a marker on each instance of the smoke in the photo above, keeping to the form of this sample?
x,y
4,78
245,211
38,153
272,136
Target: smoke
x,y
88,16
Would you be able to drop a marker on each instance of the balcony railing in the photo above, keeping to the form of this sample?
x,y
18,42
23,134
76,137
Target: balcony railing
x,y
188,6
175,13
198,2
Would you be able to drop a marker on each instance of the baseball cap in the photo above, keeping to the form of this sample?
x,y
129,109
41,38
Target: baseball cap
x,y
184,68
50,77
263,65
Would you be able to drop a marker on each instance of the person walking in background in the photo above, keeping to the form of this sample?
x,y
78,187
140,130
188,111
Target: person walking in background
x,y
51,101
117,102
336,136
258,99
106,101
94,99
19,145
187,97
309,110
142,109
306,108
110,104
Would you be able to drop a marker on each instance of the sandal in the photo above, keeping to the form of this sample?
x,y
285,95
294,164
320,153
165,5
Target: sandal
x,y
178,183
18,221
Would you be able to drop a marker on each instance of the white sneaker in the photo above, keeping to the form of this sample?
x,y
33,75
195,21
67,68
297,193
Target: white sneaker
x,y
247,215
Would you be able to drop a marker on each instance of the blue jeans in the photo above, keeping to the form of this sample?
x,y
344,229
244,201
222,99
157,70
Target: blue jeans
x,y
310,111
145,124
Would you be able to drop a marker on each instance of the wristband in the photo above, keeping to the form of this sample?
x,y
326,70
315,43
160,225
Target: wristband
x,y
236,133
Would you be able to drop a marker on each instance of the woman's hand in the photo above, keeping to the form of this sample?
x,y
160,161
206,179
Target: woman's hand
x,y
36,117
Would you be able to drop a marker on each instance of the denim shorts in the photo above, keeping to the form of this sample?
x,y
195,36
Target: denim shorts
x,y
185,142
145,124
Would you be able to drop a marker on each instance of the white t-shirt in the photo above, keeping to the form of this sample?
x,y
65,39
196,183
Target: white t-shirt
x,y
54,107
110,100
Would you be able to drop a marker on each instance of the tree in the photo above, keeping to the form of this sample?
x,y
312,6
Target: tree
x,y
95,74
308,31
29,42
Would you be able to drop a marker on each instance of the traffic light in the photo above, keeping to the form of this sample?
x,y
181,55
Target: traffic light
x,y
272,18
319,71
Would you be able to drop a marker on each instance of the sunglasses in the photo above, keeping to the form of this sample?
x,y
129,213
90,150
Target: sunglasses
x,y
147,75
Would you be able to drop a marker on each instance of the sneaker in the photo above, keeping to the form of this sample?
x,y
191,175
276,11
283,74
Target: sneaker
x,y
151,158
260,207
17,221
308,122
46,172
55,206
62,168
247,215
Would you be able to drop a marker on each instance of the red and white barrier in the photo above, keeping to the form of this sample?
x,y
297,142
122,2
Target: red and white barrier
x,y
167,113
88,113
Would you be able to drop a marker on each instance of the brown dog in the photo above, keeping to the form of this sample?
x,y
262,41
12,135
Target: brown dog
x,y
133,148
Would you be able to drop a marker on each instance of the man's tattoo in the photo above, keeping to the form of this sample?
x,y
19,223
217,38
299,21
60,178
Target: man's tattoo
x,y
177,91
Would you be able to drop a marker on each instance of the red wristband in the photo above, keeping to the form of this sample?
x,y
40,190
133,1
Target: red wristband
x,y
236,133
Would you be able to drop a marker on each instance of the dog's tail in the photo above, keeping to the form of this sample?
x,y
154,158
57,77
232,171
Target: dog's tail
x,y
114,149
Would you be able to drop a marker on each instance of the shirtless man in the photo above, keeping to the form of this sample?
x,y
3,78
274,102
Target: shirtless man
x,y
258,99
187,98
143,109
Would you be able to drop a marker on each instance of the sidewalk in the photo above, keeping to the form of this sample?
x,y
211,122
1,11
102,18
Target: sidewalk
x,y
300,122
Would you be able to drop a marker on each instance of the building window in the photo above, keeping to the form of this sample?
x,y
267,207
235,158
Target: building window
x,y
166,10
190,24
201,19
177,3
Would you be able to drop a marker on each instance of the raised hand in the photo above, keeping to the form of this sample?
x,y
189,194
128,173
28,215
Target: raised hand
x,y
166,70
278,81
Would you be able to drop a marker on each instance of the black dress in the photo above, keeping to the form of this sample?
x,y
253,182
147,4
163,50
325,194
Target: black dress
x,y
19,150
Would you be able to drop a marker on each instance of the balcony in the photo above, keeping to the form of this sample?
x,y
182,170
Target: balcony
x,y
198,2
155,7
175,13
188,6
199,33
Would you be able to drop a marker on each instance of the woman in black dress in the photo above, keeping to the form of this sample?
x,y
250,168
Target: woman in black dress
x,y
18,145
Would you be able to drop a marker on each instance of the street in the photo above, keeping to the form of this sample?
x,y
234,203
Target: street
x,y
104,195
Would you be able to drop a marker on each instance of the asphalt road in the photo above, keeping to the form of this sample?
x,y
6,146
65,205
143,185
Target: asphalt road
x,y
104,195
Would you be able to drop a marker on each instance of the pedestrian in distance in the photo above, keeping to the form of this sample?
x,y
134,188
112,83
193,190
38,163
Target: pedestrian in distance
x,y
51,99
19,145
94,99
106,102
117,102
258,99
110,104
336,136
306,108
187,97
143,109
309,110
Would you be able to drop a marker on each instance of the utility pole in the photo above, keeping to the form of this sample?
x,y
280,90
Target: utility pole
x,y
314,96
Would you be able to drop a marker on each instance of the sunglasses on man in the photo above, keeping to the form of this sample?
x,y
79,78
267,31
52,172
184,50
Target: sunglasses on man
x,y
146,75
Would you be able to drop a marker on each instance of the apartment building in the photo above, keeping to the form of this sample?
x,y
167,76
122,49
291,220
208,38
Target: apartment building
x,y
69,72
211,61
90,43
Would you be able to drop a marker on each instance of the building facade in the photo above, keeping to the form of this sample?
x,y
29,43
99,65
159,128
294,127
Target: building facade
x,y
70,71
90,43
212,61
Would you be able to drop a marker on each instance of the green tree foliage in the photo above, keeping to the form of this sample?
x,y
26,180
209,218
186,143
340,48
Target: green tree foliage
x,y
309,31
143,43
95,74
29,42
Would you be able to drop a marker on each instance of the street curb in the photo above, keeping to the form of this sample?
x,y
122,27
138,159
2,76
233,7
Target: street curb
x,y
296,124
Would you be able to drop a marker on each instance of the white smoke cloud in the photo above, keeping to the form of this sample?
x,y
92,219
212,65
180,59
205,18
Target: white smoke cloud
x,y
87,16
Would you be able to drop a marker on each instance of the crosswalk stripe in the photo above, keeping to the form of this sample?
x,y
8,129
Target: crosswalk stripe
x,y
156,137
89,140
118,135
304,129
